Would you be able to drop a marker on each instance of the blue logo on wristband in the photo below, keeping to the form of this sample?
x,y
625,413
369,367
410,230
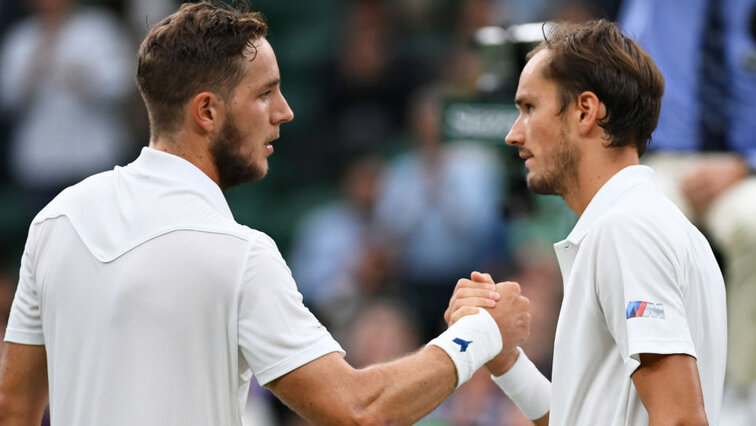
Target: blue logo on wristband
x,y
462,343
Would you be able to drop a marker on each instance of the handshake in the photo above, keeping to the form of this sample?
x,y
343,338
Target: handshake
x,y
487,323
506,306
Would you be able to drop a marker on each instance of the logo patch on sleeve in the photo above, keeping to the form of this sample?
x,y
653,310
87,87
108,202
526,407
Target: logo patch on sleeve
x,y
640,309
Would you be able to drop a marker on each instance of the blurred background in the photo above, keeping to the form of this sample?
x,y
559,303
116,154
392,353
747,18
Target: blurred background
x,y
392,182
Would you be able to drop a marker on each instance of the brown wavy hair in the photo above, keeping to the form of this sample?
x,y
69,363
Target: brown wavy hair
x,y
595,56
200,47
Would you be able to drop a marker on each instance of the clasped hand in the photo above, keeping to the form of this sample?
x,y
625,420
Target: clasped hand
x,y
506,304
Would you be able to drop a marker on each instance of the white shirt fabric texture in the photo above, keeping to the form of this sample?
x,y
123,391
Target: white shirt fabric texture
x,y
638,278
156,307
65,97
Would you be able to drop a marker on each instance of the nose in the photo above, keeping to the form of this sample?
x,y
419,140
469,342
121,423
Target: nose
x,y
515,136
282,113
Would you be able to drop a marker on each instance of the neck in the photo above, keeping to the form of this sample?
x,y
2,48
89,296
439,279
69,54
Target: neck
x,y
596,167
190,149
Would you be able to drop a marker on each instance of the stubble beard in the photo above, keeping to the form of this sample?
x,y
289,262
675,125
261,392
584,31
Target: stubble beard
x,y
233,168
560,175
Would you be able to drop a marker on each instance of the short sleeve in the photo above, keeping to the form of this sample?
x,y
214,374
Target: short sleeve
x,y
639,287
277,333
25,321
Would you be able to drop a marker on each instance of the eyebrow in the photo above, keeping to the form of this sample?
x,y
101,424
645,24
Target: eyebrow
x,y
272,83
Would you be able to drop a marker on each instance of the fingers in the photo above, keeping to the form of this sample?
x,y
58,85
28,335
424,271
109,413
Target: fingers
x,y
461,312
466,288
473,294
481,277
509,289
511,314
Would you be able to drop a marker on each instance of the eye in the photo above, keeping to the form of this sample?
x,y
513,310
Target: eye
x,y
528,107
266,94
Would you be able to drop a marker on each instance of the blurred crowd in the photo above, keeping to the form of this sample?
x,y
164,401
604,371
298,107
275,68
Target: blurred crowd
x,y
377,210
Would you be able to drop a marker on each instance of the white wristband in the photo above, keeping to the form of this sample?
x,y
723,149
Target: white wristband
x,y
526,387
470,342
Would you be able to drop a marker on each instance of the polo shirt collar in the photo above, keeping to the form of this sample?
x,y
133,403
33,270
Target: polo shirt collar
x,y
173,168
607,196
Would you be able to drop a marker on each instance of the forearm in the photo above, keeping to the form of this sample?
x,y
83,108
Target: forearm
x,y
405,390
328,391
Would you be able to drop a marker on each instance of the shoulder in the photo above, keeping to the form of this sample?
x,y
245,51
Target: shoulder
x,y
643,224
85,192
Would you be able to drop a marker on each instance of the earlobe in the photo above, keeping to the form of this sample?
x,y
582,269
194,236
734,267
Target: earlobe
x,y
204,110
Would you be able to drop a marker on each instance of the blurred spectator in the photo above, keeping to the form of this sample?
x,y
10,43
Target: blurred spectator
x,y
439,204
366,85
382,330
142,14
63,73
705,144
338,259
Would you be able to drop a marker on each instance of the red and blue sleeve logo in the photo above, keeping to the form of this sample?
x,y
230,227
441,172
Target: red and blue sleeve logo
x,y
641,309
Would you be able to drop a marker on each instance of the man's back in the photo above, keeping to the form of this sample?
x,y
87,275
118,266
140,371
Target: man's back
x,y
148,299
149,338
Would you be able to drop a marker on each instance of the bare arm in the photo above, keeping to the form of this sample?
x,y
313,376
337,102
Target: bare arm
x,y
329,391
398,392
23,385
670,389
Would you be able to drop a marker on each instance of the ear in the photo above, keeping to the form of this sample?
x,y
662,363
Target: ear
x,y
205,111
590,111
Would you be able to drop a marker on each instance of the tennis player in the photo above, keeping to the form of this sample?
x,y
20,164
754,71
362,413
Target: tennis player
x,y
641,336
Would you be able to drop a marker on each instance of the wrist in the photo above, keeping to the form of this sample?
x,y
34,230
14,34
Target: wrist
x,y
502,362
470,342
526,387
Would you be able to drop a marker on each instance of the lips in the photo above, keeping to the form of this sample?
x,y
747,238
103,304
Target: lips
x,y
269,143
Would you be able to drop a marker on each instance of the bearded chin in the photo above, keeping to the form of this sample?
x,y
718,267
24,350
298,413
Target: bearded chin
x,y
562,174
233,168
546,185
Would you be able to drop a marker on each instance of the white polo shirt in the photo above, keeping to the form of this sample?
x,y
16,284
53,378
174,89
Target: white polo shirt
x,y
638,278
155,307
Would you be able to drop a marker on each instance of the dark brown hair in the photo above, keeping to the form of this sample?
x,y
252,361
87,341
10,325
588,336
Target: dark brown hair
x,y
595,56
200,47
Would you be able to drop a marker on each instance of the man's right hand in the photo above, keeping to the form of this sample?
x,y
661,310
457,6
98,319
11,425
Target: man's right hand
x,y
510,313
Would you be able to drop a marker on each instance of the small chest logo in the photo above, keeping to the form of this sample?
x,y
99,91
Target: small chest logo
x,y
640,309
463,344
